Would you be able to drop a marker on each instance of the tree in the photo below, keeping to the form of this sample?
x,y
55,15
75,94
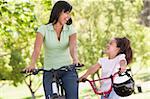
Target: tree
x,y
145,14
96,21
99,20
18,25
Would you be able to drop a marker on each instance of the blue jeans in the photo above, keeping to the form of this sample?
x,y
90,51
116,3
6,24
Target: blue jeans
x,y
112,95
69,81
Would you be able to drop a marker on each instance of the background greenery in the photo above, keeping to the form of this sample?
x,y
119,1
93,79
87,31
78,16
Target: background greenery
x,y
95,20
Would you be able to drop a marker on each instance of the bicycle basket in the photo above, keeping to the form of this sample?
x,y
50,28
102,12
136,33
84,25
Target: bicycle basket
x,y
125,88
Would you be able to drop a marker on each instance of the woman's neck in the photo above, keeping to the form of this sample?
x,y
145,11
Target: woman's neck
x,y
58,26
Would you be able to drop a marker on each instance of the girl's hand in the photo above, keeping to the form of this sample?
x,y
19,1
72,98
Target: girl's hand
x,y
82,78
122,69
123,65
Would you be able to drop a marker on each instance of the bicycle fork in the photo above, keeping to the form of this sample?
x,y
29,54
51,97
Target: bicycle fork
x,y
55,86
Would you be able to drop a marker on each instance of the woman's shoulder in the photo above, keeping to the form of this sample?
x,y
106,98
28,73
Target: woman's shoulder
x,y
68,27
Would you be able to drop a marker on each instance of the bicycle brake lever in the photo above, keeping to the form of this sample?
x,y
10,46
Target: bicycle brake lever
x,y
23,71
83,80
79,65
35,71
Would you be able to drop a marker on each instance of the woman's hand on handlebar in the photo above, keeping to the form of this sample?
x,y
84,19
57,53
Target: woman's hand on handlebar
x,y
78,64
29,69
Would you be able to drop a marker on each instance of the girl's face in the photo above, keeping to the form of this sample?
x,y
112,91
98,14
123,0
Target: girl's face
x,y
64,17
112,48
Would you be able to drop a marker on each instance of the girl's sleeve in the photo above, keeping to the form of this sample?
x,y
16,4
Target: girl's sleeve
x,y
122,57
100,61
72,30
41,30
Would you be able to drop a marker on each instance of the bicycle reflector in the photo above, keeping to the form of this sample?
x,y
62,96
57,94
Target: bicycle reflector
x,y
126,87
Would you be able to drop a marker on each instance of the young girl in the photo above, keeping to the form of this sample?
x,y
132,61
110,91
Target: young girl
x,y
119,56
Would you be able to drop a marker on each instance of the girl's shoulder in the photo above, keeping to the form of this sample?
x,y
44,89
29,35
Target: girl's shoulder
x,y
121,56
103,59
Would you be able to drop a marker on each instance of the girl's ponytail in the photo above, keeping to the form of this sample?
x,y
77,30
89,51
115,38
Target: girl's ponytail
x,y
125,48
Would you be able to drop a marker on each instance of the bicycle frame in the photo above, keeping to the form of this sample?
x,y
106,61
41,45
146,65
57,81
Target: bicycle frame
x,y
98,92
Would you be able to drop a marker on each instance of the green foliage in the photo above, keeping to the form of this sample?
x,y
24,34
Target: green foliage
x,y
17,27
99,20
96,21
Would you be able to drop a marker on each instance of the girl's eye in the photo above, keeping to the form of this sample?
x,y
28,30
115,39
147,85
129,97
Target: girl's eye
x,y
110,43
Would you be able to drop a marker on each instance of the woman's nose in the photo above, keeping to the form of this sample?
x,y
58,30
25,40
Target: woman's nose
x,y
68,16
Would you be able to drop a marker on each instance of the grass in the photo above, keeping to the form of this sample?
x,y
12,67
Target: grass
x,y
20,92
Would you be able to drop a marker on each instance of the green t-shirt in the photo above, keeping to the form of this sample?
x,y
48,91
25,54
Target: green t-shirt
x,y
56,53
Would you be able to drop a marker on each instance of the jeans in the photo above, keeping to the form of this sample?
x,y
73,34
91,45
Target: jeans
x,y
112,95
69,81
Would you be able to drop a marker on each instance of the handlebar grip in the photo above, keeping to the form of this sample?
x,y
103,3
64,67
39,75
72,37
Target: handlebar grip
x,y
79,65
34,72
129,69
23,71
83,80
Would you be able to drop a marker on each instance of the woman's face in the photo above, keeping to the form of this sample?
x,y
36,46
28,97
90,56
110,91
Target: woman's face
x,y
112,47
64,17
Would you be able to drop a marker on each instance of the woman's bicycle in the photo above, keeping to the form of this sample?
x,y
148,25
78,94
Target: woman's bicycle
x,y
57,85
123,89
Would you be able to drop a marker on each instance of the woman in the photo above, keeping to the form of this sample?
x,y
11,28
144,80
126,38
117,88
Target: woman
x,y
59,40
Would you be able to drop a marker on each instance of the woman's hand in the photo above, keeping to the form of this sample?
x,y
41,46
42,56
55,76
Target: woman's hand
x,y
29,68
76,61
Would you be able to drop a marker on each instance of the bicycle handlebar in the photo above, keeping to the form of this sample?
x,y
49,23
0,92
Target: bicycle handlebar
x,y
85,79
36,71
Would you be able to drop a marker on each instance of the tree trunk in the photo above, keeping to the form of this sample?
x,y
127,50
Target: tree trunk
x,y
145,14
33,95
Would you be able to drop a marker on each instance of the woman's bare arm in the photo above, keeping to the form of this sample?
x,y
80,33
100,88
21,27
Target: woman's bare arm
x,y
73,48
36,52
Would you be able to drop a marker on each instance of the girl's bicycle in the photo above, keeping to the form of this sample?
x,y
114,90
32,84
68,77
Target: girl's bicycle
x,y
122,89
57,85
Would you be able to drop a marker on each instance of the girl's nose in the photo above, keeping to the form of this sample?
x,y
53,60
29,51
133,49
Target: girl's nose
x,y
107,45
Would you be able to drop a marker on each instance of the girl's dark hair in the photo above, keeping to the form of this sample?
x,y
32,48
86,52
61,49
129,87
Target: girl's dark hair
x,y
58,7
125,48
